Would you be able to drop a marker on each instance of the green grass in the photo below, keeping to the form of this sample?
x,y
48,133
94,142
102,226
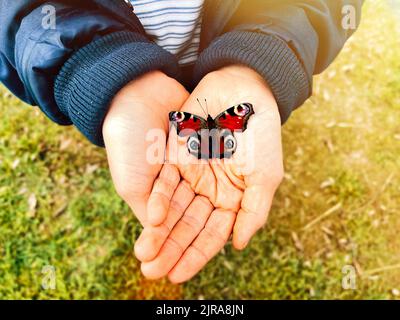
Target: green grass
x,y
58,206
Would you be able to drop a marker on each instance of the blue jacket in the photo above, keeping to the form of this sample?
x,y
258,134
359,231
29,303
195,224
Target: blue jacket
x,y
73,68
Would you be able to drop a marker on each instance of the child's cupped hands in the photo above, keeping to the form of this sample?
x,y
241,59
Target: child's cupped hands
x,y
196,205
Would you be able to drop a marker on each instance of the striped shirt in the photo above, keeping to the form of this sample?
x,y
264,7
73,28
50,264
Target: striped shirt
x,y
174,25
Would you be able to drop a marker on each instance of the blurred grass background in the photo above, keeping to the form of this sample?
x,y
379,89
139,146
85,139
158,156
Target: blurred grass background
x,y
339,204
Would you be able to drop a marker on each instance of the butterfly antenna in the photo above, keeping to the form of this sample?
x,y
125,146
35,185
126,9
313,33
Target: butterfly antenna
x,y
202,107
205,100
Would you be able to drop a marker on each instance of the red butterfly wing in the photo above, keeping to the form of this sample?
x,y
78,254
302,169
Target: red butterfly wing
x,y
235,118
187,123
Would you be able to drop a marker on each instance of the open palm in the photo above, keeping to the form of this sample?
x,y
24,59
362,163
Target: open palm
x,y
197,204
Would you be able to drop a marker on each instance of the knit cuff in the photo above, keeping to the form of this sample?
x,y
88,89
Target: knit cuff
x,y
270,56
93,75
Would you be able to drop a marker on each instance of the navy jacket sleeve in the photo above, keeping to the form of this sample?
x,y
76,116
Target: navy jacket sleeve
x,y
72,68
286,41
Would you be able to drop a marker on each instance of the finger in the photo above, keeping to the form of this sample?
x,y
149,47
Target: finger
x,y
253,214
208,243
152,238
160,197
182,235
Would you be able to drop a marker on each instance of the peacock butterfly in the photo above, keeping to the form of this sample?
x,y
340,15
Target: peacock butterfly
x,y
212,138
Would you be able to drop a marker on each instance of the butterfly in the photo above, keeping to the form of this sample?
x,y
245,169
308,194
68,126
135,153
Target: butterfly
x,y
212,138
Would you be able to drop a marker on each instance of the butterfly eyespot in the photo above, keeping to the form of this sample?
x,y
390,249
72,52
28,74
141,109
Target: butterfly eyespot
x,y
241,110
229,144
193,144
178,116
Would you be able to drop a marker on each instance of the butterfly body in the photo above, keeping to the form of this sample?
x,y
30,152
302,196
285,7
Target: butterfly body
x,y
211,123
212,137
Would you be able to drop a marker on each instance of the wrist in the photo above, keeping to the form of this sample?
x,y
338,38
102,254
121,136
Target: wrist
x,y
251,78
145,101
242,71
91,77
271,56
